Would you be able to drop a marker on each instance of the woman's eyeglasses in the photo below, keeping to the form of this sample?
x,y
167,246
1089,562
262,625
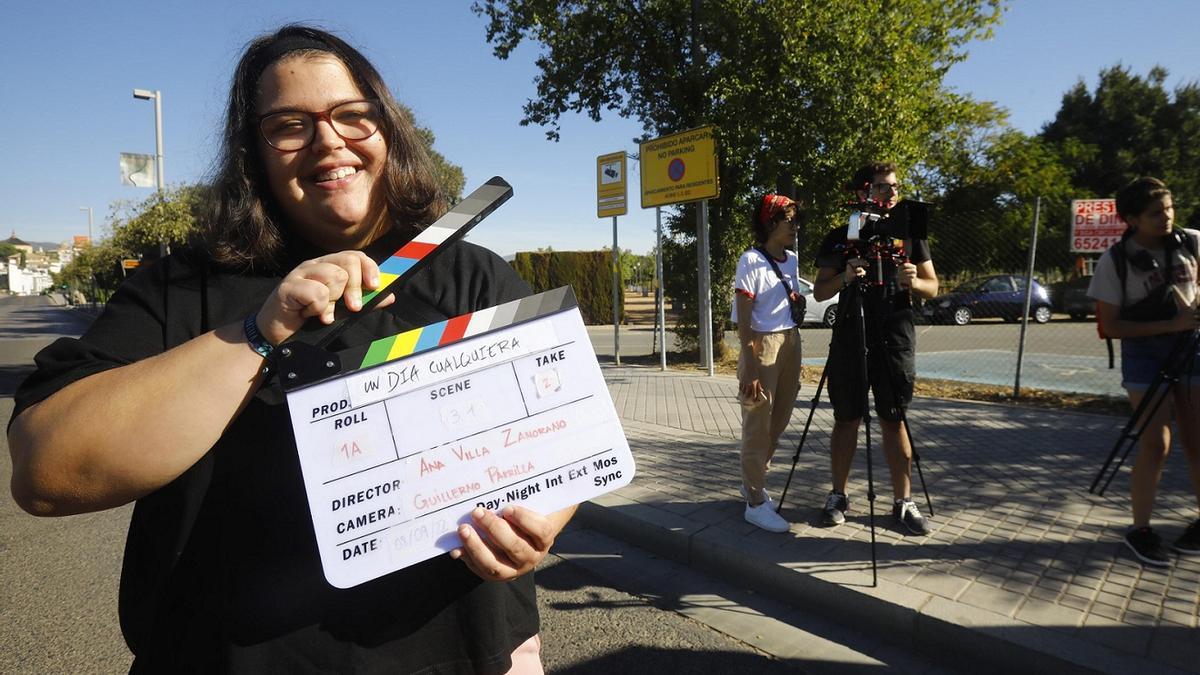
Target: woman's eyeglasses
x,y
292,130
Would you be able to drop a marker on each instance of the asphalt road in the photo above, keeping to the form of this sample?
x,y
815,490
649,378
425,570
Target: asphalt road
x,y
606,607
1061,355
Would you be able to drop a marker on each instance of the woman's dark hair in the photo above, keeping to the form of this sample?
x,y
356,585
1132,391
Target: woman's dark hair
x,y
866,175
245,227
762,230
1139,194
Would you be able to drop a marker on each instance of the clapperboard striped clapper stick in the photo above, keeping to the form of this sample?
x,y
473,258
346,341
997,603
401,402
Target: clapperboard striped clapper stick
x,y
413,257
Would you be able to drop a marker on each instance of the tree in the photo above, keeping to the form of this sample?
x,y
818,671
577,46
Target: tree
x,y
800,92
94,270
449,176
1131,126
985,207
163,219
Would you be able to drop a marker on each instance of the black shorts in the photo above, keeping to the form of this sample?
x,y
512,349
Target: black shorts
x,y
891,370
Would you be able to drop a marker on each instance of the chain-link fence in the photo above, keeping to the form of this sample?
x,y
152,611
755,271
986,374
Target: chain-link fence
x,y
1012,309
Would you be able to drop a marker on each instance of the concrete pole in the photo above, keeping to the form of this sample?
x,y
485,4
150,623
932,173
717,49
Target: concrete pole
x,y
705,297
660,298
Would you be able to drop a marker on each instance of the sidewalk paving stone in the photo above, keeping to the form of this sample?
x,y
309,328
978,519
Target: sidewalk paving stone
x,y
1024,567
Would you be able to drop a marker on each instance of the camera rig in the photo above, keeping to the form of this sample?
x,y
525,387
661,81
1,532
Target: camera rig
x,y
875,233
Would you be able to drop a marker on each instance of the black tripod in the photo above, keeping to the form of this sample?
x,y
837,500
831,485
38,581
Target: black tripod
x,y
860,313
1178,361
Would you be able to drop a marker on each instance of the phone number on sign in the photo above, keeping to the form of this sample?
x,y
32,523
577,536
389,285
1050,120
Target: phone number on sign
x,y
1092,244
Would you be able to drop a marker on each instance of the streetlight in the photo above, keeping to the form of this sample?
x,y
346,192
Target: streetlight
x,y
146,95
89,210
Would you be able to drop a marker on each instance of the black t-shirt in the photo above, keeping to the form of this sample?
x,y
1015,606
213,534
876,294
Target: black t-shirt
x,y
221,570
887,307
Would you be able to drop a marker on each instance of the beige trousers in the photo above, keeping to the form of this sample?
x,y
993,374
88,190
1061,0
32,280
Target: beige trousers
x,y
764,420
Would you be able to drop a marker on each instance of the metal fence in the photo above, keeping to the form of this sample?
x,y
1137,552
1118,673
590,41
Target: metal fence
x,y
1012,309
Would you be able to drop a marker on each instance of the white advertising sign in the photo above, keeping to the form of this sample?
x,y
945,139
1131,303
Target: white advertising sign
x,y
1095,225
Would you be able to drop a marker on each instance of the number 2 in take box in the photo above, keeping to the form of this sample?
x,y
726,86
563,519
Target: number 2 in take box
x,y
547,382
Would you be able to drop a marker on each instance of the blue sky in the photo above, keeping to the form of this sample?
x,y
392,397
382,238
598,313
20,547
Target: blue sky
x,y
71,68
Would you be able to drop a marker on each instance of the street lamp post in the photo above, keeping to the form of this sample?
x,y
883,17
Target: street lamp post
x,y
89,210
156,95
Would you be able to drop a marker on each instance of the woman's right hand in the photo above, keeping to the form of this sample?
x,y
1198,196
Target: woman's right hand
x,y
749,386
313,289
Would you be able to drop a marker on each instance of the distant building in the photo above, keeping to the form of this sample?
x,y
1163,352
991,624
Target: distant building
x,y
31,279
18,244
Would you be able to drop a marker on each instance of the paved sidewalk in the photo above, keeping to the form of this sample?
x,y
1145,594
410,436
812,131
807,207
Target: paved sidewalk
x,y
1023,569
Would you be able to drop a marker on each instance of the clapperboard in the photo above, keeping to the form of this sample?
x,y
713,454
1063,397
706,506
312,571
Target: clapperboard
x,y
399,440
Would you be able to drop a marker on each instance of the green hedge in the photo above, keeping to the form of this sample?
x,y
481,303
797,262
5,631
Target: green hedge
x,y
589,273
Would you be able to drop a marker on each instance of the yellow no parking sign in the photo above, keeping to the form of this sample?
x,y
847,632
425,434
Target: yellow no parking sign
x,y
679,168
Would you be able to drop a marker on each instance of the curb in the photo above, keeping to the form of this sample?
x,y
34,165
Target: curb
x,y
969,637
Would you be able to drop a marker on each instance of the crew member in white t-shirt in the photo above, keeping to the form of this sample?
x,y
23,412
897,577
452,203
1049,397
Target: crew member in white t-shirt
x,y
768,309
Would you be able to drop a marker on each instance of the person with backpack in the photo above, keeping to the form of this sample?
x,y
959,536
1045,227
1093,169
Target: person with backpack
x,y
1146,290
768,311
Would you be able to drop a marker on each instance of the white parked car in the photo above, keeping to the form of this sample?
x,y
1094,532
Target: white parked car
x,y
823,313
819,313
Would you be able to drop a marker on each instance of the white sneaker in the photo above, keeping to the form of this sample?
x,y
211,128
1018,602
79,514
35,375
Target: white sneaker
x,y
764,516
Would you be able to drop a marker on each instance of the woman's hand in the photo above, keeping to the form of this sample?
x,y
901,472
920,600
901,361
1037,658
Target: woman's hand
x,y
1186,318
749,386
313,289
505,547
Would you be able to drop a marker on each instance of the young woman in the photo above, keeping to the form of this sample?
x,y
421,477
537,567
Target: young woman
x,y
162,401
1146,290
769,363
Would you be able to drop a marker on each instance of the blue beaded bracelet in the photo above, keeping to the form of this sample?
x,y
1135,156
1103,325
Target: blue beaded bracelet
x,y
257,342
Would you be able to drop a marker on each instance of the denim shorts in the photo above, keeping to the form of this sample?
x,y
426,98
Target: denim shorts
x,y
1143,357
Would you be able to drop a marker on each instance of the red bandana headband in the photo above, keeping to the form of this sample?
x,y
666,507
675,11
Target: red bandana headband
x,y
772,204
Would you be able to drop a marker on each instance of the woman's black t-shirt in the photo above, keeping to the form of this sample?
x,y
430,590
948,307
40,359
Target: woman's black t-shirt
x,y
221,570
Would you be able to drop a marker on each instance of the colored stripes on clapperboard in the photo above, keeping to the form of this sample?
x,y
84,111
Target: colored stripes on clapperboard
x,y
466,326
411,257
466,213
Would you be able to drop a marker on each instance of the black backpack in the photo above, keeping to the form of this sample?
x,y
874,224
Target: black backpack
x,y
1158,305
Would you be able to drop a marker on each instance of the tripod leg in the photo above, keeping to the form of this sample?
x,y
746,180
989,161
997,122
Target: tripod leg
x,y
1125,435
871,501
865,403
916,456
803,435
1138,421
1180,358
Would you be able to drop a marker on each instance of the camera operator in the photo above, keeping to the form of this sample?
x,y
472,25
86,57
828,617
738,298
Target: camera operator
x,y
890,339
1146,293
768,310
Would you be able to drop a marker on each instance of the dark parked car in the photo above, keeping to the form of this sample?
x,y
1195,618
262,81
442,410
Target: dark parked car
x,y
1070,297
1002,295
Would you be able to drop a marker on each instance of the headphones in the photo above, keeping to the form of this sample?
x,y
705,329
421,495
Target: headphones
x,y
1142,260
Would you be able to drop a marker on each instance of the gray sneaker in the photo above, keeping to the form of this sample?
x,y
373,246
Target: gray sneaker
x,y
834,512
906,514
